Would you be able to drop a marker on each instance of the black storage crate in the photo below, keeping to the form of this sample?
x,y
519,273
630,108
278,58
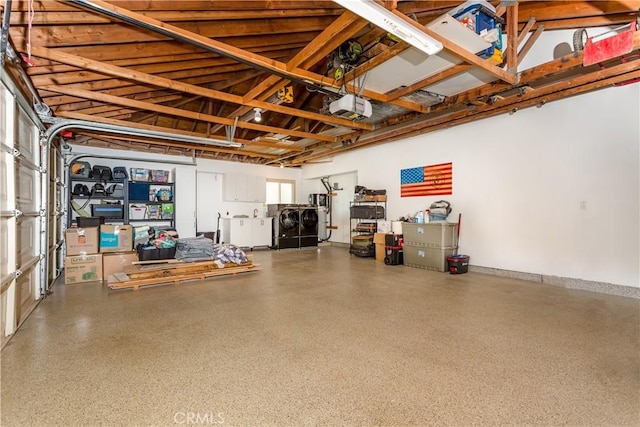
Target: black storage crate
x,y
150,253
367,212
89,221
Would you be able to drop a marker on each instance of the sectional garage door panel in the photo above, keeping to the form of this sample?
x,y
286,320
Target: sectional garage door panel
x,y
27,242
27,179
6,177
26,285
26,139
7,220
6,269
23,271
3,315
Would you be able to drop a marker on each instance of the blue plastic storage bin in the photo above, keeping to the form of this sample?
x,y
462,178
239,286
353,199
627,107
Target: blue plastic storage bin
x,y
480,19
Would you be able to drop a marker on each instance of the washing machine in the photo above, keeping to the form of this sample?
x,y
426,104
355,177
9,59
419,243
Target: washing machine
x,y
308,225
286,226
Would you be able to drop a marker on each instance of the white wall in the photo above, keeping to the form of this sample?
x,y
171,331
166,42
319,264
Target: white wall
x,y
340,215
185,179
552,190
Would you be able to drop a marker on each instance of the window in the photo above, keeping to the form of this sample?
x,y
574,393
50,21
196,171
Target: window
x,y
280,191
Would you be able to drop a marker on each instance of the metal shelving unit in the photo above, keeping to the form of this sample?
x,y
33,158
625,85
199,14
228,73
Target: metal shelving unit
x,y
363,218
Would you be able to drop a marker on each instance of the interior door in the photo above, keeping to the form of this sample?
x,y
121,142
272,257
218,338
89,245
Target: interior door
x,y
208,190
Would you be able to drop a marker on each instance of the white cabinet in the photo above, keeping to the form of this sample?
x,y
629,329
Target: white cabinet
x,y
261,232
244,188
256,189
237,231
247,232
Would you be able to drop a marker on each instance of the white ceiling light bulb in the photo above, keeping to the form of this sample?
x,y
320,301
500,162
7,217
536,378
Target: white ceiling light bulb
x,y
258,114
383,18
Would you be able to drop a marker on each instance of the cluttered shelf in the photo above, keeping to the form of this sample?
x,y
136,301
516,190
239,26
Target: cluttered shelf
x,y
120,195
368,208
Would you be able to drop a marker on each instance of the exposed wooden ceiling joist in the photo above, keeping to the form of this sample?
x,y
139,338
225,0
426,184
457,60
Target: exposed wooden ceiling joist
x,y
194,66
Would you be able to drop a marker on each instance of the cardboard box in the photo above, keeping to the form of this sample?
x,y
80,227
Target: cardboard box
x,y
115,238
375,198
82,268
379,238
380,252
115,262
384,227
81,240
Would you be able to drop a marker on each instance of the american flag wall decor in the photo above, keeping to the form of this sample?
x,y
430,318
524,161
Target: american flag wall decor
x,y
434,180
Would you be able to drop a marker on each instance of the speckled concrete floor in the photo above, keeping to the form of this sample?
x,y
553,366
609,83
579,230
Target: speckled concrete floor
x,y
321,338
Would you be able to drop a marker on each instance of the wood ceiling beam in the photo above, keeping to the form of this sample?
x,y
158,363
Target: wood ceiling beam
x,y
553,10
267,64
139,92
543,93
376,60
220,86
512,38
183,145
340,30
84,18
519,103
185,5
119,87
328,40
141,105
525,30
173,70
46,67
462,53
529,44
588,22
108,108
259,91
333,36
184,87
568,87
78,116
108,52
428,81
78,35
531,75
461,119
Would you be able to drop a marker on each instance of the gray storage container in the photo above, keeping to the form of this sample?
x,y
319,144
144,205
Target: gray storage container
x,y
428,258
431,234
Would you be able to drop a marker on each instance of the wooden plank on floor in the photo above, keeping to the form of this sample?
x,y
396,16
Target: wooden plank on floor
x,y
176,270
178,279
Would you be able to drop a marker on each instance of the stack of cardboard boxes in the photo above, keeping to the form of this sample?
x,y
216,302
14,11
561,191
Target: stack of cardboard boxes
x,y
94,253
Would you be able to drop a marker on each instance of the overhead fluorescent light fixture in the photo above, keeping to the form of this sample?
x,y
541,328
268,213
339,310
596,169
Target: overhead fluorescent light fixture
x,y
383,18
